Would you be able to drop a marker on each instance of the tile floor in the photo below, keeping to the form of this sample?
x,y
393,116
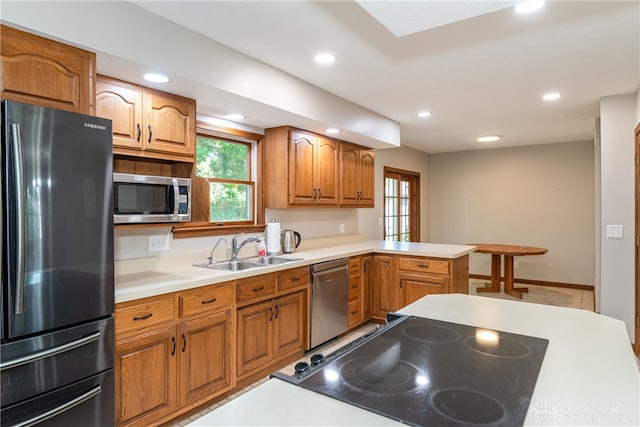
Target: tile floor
x,y
565,297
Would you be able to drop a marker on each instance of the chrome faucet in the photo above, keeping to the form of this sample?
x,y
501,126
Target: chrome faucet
x,y
214,248
235,248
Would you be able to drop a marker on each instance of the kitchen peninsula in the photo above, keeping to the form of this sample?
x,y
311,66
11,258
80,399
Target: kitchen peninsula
x,y
588,375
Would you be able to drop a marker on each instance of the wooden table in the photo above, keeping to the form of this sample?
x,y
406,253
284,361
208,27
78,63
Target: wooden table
x,y
508,251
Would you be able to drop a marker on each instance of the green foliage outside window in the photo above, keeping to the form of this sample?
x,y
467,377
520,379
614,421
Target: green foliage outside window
x,y
226,165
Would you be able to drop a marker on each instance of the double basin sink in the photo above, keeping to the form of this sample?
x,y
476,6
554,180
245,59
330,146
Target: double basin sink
x,y
247,263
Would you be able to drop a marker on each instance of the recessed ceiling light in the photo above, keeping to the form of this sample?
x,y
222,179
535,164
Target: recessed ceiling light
x,y
488,138
234,116
325,58
551,96
424,114
333,130
156,78
529,6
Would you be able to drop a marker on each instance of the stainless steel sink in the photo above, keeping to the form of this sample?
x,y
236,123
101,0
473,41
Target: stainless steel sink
x,y
230,265
271,260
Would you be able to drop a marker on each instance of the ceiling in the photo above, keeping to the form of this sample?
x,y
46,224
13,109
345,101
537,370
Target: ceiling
x,y
479,67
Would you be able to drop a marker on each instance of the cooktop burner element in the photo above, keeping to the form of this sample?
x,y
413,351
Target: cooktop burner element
x,y
427,372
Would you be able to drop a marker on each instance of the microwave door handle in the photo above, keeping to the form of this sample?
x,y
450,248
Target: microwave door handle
x,y
176,198
19,194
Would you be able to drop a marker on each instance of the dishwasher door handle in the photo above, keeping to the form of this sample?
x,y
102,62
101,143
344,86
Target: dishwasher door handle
x,y
324,273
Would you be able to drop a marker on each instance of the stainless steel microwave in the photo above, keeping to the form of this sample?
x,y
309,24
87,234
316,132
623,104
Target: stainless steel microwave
x,y
148,199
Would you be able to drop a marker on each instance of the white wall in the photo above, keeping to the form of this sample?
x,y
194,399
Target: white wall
x,y
535,196
618,118
405,158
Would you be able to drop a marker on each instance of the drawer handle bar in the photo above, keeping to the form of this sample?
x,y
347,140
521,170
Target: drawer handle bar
x,y
50,352
258,289
354,286
209,301
146,316
62,408
296,279
354,312
423,265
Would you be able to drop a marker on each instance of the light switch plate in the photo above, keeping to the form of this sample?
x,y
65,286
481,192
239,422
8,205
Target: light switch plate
x,y
615,231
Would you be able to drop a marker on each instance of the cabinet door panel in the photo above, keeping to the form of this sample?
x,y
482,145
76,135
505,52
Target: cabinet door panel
x,y
289,323
349,175
302,188
170,124
384,285
205,358
327,172
123,105
365,286
39,71
254,336
145,377
367,177
416,286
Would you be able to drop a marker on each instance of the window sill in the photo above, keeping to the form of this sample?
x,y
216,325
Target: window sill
x,y
205,229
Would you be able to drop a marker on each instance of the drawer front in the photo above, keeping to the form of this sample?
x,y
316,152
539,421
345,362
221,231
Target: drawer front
x,y
354,288
354,313
293,278
354,265
145,314
208,299
424,265
255,288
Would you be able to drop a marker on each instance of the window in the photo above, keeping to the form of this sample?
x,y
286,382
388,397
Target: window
x,y
401,205
226,164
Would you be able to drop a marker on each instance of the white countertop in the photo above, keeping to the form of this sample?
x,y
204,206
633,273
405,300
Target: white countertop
x,y
147,277
589,375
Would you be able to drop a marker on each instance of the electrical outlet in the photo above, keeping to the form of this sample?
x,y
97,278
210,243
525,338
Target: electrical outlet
x,y
159,243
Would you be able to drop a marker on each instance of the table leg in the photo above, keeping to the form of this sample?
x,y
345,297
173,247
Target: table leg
x,y
509,289
494,286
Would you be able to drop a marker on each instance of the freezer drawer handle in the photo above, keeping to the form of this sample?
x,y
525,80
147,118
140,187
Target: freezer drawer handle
x,y
62,408
50,352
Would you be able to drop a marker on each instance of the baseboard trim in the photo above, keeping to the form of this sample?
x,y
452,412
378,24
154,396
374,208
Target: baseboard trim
x,y
538,282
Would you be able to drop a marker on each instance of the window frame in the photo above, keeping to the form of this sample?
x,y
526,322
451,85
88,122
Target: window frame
x,y
198,228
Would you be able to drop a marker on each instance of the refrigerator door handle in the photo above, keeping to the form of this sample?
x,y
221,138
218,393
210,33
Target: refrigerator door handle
x,y
62,408
176,197
50,352
20,218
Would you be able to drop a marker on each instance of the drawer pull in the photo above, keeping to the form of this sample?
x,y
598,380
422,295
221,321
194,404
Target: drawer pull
x,y
354,312
258,289
209,301
146,316
354,286
423,265
296,279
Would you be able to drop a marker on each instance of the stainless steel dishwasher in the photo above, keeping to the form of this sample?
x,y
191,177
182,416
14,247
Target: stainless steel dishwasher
x,y
329,300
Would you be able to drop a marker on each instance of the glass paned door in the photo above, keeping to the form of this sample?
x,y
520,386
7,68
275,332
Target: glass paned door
x,y
401,206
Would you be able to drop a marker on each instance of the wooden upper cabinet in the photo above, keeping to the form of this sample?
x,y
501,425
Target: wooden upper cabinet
x,y
357,176
147,122
39,71
313,170
306,169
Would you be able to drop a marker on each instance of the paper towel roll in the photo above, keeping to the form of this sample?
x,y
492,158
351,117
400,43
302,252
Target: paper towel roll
x,y
273,238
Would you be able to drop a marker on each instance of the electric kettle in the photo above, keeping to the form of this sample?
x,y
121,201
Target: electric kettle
x,y
290,241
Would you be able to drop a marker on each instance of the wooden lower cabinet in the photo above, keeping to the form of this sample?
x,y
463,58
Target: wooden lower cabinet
x,y
166,368
269,331
203,361
146,377
383,294
399,280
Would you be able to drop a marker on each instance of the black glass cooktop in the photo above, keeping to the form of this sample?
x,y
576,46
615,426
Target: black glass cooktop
x,y
428,372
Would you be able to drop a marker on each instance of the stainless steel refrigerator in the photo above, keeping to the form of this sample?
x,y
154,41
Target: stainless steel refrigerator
x,y
57,344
